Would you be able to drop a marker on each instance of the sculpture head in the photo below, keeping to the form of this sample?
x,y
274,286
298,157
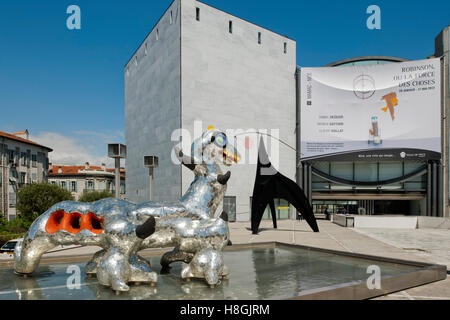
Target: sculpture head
x,y
210,151
214,147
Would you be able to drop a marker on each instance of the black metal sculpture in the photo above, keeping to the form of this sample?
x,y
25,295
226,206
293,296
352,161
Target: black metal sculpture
x,y
270,185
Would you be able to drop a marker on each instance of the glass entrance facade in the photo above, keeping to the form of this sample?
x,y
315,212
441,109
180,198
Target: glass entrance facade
x,y
282,210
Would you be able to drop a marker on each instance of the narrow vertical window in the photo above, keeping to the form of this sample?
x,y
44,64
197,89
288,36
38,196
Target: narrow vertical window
x,y
157,34
146,49
171,17
197,14
230,26
259,37
135,61
285,47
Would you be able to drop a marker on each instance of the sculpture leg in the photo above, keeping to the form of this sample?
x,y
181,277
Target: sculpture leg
x,y
172,256
27,254
114,270
141,270
207,264
92,265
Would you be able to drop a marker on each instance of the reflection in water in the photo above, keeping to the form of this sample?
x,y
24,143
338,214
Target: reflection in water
x,y
271,273
28,288
259,273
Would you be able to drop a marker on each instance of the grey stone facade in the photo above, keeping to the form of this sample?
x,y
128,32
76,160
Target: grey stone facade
x,y
200,71
152,109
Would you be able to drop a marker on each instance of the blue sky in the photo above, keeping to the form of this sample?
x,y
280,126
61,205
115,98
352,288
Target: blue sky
x,y
66,86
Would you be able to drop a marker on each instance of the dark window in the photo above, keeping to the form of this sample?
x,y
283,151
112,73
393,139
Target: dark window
x,y
9,245
33,160
259,37
285,47
230,26
171,17
22,177
197,14
10,156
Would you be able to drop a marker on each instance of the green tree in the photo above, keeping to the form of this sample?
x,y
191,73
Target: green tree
x,y
33,200
93,196
3,223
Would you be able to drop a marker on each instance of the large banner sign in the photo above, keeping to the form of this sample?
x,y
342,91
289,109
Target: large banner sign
x,y
374,112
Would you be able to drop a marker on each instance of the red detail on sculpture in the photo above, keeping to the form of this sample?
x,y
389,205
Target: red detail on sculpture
x,y
74,222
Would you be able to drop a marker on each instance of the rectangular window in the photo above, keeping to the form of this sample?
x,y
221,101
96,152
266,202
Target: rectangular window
x,y
197,14
63,184
12,199
230,26
17,157
171,17
34,160
28,159
11,156
157,34
285,47
259,37
23,159
74,186
22,177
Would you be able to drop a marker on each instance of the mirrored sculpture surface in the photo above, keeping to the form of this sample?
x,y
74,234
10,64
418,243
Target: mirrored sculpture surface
x,y
122,228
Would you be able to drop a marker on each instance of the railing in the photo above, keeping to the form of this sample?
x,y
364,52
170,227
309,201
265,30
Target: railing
x,y
101,190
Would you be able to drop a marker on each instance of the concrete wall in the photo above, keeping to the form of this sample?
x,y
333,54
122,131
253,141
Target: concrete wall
x,y
152,110
433,223
442,48
385,222
230,81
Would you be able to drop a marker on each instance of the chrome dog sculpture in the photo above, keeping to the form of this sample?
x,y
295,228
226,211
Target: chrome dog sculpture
x,y
122,228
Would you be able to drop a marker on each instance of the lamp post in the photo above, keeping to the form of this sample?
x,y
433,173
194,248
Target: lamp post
x,y
151,162
117,151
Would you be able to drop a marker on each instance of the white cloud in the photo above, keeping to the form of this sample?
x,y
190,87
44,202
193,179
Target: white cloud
x,y
81,147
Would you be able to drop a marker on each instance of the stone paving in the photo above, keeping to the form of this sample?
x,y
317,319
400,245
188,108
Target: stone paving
x,y
423,245
430,244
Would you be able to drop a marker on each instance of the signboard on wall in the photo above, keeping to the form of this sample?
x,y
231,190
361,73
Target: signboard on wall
x,y
381,112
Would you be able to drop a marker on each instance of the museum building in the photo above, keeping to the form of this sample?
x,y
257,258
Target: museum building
x,y
202,65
